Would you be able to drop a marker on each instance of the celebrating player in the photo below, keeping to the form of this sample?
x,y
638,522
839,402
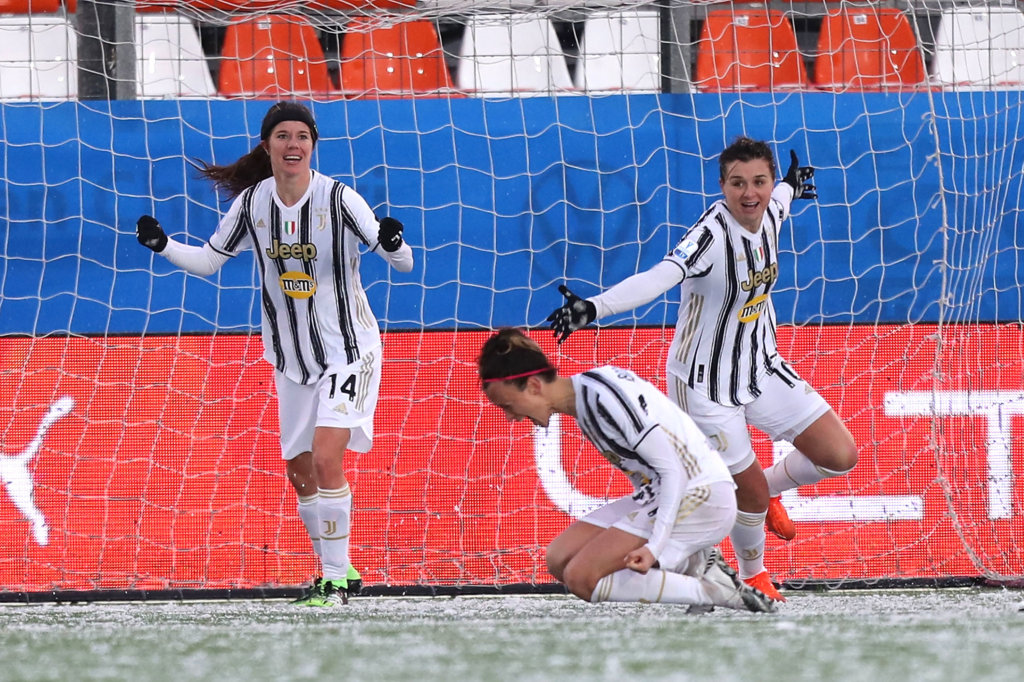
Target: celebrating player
x,y
658,544
318,330
724,369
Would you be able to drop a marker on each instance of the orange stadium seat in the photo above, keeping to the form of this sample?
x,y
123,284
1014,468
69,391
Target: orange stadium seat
x,y
27,6
349,5
272,55
748,49
403,59
868,48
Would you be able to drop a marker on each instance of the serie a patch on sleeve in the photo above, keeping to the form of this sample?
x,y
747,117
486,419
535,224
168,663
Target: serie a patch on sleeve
x,y
685,249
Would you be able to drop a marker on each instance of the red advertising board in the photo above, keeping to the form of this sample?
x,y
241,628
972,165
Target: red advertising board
x,y
153,462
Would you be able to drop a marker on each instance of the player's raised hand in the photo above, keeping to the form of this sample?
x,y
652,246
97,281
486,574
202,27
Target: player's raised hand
x,y
150,234
575,314
390,234
799,178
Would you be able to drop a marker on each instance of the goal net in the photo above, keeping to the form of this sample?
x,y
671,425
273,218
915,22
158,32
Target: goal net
x,y
524,145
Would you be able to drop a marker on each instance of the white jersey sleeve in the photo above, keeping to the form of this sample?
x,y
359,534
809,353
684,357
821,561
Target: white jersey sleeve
x,y
638,289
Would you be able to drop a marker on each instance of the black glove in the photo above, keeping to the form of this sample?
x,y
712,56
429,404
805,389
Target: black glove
x,y
390,234
575,314
799,178
150,234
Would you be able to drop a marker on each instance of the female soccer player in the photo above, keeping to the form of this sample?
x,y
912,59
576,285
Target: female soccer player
x,y
724,369
318,330
658,544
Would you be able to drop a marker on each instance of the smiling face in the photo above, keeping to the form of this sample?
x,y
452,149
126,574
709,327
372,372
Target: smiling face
x,y
748,186
530,402
290,146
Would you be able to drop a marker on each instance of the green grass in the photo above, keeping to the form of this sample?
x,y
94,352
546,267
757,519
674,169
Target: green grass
x,y
875,636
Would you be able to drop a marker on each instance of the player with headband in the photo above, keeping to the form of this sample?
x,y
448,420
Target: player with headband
x,y
319,333
658,544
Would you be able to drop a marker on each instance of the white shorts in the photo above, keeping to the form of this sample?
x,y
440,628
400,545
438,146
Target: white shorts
x,y
782,411
345,397
706,526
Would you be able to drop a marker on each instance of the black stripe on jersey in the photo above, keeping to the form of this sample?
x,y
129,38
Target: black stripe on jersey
x,y
340,221
269,311
786,373
316,338
719,344
595,415
276,228
242,226
350,220
624,402
752,386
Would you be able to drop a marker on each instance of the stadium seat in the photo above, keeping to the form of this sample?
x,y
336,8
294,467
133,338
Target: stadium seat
x,y
29,6
868,48
404,59
511,54
38,58
979,47
272,55
748,49
170,61
620,50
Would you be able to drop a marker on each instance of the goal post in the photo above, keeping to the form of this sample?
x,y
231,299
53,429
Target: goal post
x,y
138,425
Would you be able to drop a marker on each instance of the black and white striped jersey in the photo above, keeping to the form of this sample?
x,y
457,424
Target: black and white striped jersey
x,y
315,311
645,435
725,345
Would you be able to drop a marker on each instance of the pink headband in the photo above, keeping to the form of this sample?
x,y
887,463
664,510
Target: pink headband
x,y
519,376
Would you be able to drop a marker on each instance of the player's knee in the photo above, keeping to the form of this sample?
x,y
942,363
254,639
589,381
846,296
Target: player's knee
x,y
579,579
845,459
556,566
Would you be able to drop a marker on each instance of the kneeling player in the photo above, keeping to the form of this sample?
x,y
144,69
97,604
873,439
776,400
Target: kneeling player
x,y
659,544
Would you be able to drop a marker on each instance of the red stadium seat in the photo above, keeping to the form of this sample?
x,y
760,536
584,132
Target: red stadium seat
x,y
868,48
404,59
748,49
28,6
272,55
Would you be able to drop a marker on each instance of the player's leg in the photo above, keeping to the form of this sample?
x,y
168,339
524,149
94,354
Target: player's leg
x,y
569,542
689,570
346,402
726,429
296,405
793,411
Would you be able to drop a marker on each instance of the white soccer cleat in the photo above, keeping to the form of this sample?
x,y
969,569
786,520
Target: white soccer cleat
x,y
725,588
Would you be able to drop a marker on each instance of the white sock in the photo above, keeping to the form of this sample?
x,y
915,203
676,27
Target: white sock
x,y
795,470
654,587
747,537
335,510
311,519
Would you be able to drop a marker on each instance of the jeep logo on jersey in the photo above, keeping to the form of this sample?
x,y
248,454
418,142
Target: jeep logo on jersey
x,y
752,310
297,284
756,278
302,251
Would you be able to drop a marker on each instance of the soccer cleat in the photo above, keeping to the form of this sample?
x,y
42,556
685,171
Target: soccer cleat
x,y
763,584
312,592
725,588
335,593
328,593
778,521
355,581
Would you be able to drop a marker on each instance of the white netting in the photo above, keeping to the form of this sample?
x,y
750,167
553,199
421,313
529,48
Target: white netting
x,y
524,145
